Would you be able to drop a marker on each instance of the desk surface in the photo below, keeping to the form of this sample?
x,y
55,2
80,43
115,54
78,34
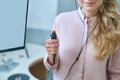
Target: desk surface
x,y
35,51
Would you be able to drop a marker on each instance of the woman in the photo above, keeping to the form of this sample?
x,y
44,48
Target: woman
x,y
88,42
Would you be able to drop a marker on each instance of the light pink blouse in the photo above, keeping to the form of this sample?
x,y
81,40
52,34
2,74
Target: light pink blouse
x,y
72,30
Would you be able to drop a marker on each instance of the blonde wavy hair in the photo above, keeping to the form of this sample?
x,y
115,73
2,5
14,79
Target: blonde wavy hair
x,y
106,35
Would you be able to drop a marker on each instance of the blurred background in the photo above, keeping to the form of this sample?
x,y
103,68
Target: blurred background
x,y
22,42
27,63
41,17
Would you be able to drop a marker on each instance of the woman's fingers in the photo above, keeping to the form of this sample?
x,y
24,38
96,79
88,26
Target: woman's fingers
x,y
52,41
52,51
52,46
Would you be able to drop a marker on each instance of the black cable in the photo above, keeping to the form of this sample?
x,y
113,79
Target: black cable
x,y
48,71
53,36
77,58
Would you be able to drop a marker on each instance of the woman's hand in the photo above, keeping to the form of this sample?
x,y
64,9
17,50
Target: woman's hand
x,y
52,47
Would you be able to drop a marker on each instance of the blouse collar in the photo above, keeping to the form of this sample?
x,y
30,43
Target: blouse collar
x,y
81,14
83,17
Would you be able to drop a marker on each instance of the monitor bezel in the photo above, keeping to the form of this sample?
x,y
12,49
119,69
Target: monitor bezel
x,y
24,44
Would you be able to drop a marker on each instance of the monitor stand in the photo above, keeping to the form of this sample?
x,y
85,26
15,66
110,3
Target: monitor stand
x,y
26,51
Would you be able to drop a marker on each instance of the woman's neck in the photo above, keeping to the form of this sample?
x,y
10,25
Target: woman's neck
x,y
89,14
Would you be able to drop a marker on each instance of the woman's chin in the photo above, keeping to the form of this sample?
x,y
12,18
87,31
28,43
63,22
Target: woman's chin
x,y
90,9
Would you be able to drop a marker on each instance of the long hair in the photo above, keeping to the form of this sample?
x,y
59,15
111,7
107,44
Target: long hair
x,y
106,35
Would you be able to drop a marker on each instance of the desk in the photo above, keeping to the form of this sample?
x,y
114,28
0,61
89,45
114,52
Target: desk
x,y
35,51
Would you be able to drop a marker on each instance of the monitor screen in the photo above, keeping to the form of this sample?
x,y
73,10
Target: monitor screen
x,y
13,23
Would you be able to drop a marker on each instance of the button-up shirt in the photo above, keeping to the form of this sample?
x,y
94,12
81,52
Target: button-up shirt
x,y
73,29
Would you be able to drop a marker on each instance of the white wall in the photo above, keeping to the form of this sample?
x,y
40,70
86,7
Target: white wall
x,y
66,5
42,13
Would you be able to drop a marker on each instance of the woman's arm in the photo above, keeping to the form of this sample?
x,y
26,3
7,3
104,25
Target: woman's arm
x,y
48,58
114,66
48,65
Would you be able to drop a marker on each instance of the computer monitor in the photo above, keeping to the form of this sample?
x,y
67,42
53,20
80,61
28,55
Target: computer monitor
x,y
13,24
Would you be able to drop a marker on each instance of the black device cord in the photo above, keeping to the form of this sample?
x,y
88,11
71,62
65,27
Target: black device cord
x,y
77,58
